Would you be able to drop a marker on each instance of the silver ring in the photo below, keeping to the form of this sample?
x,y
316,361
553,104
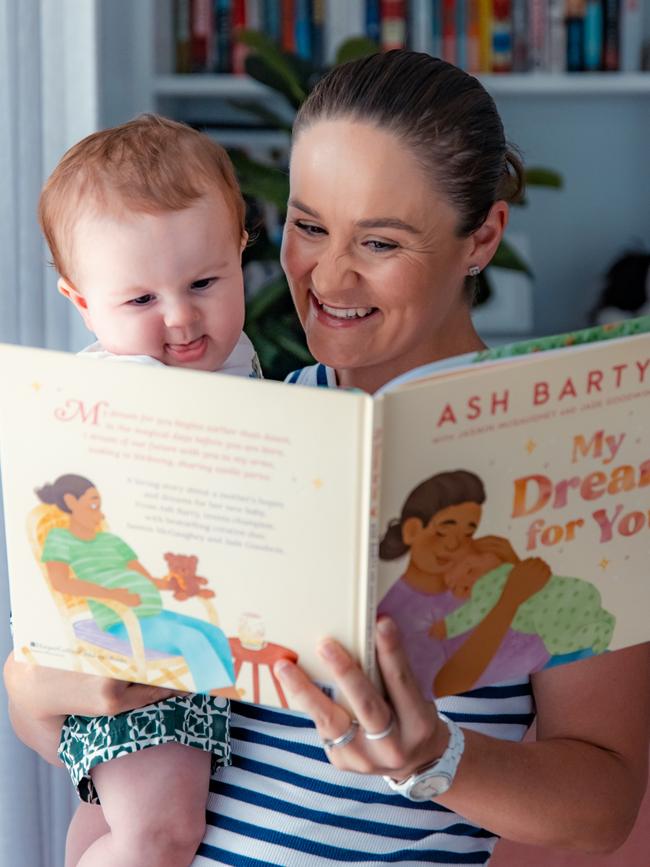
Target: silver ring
x,y
377,736
342,740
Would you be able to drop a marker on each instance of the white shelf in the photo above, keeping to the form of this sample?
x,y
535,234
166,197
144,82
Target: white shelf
x,y
532,84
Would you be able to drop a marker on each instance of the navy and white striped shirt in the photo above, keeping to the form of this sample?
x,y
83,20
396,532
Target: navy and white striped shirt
x,y
283,803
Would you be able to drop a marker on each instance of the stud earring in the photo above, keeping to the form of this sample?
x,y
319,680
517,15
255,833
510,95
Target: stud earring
x,y
474,271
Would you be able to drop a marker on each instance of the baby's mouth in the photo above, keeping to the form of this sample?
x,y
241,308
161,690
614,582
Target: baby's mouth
x,y
190,351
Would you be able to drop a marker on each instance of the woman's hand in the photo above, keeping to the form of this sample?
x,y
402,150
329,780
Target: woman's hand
x,y
526,578
417,736
125,597
497,545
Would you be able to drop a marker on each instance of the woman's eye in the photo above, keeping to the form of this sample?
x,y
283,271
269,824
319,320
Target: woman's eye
x,y
309,228
205,283
142,300
380,246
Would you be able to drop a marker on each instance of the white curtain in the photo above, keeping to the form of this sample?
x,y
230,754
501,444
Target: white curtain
x,y
48,100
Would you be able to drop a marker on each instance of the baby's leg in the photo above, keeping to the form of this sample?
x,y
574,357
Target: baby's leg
x,y
87,825
154,803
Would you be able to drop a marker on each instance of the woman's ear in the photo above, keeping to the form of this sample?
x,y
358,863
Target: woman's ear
x,y
70,500
486,239
411,528
69,291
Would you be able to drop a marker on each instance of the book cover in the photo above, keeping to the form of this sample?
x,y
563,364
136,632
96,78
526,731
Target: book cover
x,y
268,516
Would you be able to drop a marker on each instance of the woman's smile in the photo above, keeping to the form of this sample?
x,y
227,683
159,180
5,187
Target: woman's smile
x,y
337,317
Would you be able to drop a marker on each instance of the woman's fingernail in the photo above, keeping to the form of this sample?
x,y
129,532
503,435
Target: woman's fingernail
x,y
283,669
329,649
385,626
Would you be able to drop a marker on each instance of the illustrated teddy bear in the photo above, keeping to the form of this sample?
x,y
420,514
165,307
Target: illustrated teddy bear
x,y
182,578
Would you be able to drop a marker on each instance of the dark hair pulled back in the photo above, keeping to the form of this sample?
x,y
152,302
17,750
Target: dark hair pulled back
x,y
69,484
445,116
426,500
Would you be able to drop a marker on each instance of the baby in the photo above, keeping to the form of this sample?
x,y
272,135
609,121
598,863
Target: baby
x,y
566,613
145,223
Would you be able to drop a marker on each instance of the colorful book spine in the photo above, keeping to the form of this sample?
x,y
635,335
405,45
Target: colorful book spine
x,y
485,35
461,34
631,34
520,35
611,35
288,25
473,41
182,35
318,33
436,28
271,19
222,39
449,44
254,14
538,35
502,36
393,24
593,53
557,37
419,25
373,20
302,28
239,50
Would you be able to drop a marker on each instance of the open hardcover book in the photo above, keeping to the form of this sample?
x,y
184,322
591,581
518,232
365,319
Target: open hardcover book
x,y
498,511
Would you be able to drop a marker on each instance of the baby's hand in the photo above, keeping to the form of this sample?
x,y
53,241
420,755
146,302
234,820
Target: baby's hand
x,y
438,630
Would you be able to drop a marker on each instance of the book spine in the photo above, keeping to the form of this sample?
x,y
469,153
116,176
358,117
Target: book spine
x,y
373,20
182,32
200,35
342,21
371,457
222,44
631,33
318,33
593,53
271,19
393,24
449,45
420,25
288,25
461,34
473,41
538,35
611,35
254,14
436,28
485,35
557,36
303,28
502,36
519,36
238,23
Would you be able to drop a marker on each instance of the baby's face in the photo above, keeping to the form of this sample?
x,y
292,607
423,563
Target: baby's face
x,y
168,285
463,575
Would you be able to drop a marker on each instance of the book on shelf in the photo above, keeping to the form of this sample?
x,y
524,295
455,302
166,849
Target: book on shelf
x,y
499,507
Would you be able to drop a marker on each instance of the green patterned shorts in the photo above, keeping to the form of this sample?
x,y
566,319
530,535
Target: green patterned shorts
x,y
200,721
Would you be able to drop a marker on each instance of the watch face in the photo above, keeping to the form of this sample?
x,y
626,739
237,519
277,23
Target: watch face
x,y
430,787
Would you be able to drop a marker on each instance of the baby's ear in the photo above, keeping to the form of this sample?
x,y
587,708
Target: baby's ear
x,y
74,295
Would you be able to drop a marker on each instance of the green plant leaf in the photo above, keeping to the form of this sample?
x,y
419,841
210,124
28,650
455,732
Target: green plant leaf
x,y
260,181
537,176
354,48
507,257
268,64
264,114
269,295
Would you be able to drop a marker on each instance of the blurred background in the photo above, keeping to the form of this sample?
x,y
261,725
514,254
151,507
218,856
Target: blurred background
x,y
570,79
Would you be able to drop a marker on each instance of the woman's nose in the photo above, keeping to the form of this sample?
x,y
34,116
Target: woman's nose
x,y
333,271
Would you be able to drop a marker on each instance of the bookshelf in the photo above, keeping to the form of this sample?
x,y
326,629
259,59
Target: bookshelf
x,y
593,128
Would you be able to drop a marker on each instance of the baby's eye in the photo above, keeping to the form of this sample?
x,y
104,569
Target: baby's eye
x,y
204,283
309,228
142,300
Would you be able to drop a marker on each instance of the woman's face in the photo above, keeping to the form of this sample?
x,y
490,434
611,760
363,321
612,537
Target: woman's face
x,y
371,254
86,509
446,540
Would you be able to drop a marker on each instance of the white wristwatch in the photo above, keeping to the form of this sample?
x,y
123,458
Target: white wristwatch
x,y
436,778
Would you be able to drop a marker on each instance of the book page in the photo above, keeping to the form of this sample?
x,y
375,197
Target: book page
x,y
545,462
241,498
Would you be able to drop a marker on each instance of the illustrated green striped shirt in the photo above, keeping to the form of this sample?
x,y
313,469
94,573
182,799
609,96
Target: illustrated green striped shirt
x,y
103,561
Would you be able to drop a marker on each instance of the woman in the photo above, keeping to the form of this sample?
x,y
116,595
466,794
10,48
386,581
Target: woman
x,y
436,527
400,178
